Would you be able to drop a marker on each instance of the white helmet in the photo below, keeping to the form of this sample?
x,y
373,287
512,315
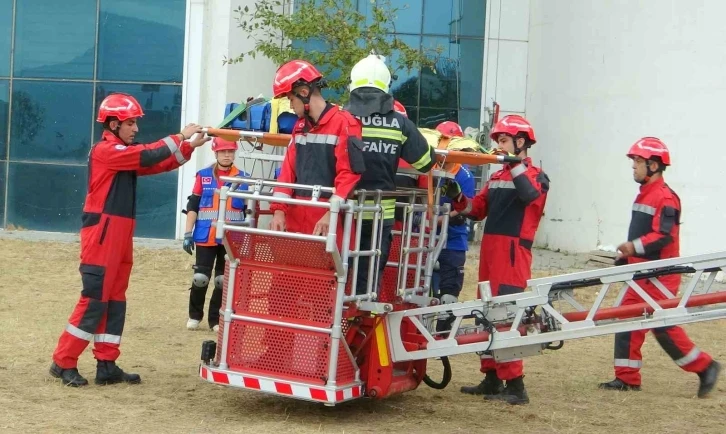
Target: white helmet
x,y
370,72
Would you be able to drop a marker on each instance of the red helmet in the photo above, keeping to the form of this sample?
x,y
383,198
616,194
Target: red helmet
x,y
120,106
649,147
513,125
397,106
289,74
219,144
450,129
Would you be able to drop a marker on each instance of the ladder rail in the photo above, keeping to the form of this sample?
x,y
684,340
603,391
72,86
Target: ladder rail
x,y
518,326
506,341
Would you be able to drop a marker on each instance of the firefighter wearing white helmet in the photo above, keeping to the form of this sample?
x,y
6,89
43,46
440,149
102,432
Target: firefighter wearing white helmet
x,y
387,136
370,72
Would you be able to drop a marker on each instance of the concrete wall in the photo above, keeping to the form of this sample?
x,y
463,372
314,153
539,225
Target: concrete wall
x,y
603,74
212,34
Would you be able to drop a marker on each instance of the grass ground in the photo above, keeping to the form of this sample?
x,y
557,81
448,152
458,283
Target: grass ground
x,y
40,284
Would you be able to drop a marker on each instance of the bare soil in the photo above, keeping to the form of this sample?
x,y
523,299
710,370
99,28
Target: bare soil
x,y
40,285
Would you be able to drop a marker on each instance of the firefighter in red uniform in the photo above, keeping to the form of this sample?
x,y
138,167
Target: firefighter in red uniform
x,y
512,200
325,149
654,234
202,212
106,235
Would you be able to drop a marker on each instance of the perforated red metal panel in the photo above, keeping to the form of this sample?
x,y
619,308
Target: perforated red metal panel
x,y
390,274
346,370
279,352
279,251
293,284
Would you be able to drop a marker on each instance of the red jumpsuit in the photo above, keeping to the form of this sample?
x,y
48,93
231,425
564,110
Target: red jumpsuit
x,y
512,200
321,154
107,231
654,232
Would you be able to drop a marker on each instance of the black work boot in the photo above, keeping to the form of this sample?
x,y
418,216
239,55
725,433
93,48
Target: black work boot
x,y
708,378
618,384
490,385
514,392
69,377
109,373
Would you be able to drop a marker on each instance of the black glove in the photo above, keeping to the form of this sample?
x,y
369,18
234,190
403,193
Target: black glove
x,y
188,245
457,220
451,189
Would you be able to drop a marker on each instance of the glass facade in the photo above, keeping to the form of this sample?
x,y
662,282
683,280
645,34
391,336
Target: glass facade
x,y
51,83
453,91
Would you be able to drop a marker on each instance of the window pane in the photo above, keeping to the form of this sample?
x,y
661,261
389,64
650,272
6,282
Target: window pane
x,y
4,97
408,17
156,208
141,40
455,17
471,71
473,17
439,17
161,104
405,87
55,39
46,197
430,117
469,118
412,113
6,21
441,89
51,121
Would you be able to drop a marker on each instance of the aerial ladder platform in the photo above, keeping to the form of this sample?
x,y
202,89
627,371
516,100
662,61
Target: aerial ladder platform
x,y
294,324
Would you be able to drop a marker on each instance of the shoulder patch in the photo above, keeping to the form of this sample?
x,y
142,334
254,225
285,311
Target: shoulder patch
x,y
120,147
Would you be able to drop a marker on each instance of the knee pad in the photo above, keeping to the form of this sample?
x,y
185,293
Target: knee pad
x,y
448,299
219,282
200,280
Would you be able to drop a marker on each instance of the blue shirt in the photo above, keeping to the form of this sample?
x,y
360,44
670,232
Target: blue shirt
x,y
458,236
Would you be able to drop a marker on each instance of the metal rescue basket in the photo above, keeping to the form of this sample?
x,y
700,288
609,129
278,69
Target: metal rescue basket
x,y
291,321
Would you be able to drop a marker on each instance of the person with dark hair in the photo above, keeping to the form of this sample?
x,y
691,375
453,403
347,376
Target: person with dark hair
x,y
655,234
513,201
107,230
325,149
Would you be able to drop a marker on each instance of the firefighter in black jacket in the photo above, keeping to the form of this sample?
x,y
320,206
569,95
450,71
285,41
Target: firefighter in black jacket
x,y
387,135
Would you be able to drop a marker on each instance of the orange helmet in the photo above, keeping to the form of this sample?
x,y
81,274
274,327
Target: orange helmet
x,y
649,147
450,129
513,125
120,106
220,144
292,74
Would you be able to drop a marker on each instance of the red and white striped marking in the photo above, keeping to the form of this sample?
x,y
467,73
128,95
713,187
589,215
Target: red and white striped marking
x,y
283,388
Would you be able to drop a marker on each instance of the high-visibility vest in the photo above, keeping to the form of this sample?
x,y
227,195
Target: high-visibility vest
x,y
205,229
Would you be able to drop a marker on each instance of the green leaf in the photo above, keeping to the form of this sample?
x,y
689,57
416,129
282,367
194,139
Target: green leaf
x,y
337,26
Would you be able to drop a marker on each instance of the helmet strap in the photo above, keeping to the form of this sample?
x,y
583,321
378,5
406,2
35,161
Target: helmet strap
x,y
306,101
649,172
517,149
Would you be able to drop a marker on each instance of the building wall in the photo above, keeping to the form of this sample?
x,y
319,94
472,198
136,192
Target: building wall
x,y
603,74
505,62
58,60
